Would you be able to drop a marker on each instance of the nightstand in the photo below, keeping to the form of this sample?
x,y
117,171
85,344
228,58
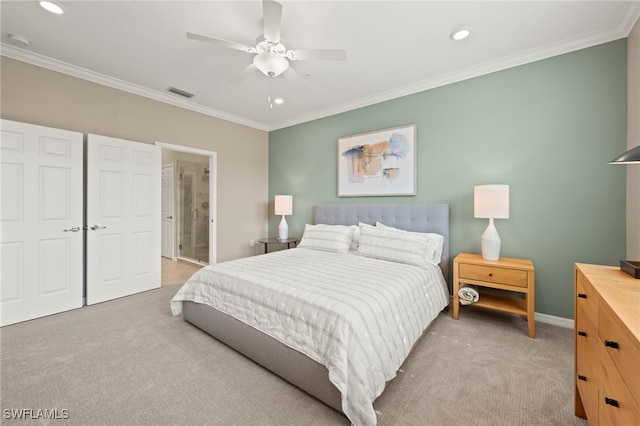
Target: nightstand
x,y
508,274
267,241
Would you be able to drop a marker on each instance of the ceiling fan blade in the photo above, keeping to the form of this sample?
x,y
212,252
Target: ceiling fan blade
x,y
272,17
318,55
293,76
244,74
220,42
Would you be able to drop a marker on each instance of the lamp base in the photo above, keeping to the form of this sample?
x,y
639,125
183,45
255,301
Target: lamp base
x,y
283,230
490,242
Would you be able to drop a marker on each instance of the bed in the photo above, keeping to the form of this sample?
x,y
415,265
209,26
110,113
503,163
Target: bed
x,y
314,316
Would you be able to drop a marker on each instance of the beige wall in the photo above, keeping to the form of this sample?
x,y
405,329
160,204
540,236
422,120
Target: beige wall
x,y
39,96
633,140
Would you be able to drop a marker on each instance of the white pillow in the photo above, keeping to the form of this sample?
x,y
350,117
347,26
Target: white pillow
x,y
356,236
436,241
336,238
413,248
355,239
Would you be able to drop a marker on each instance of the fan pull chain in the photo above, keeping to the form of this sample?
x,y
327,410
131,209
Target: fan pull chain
x,y
269,97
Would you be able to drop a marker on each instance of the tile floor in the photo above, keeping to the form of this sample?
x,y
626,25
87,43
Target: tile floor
x,y
176,272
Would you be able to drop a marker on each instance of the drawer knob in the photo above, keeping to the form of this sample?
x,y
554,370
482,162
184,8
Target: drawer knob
x,y
583,378
610,344
582,333
611,402
490,274
582,295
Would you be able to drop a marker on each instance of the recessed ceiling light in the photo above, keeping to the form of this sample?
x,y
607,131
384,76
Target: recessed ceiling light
x,y
460,33
52,7
278,101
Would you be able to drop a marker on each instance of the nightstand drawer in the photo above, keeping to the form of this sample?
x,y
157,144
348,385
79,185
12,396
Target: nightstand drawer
x,y
513,277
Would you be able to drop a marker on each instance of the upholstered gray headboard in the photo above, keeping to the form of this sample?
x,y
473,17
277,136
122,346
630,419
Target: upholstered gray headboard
x,y
410,217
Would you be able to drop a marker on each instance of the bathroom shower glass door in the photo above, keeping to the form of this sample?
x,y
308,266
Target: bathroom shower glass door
x,y
193,233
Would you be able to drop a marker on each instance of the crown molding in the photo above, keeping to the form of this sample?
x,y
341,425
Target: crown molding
x,y
624,26
105,80
626,22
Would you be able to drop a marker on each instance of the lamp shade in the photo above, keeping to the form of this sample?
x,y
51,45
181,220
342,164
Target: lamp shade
x,y
491,201
284,205
629,157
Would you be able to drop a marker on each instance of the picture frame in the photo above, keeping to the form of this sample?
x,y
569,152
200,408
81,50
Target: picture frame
x,y
378,163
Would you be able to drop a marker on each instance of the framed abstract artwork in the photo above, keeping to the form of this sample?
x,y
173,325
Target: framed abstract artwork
x,y
378,163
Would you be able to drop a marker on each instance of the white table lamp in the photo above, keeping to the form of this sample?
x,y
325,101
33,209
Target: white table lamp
x,y
491,202
284,207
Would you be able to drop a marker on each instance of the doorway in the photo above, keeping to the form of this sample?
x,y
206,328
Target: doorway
x,y
194,207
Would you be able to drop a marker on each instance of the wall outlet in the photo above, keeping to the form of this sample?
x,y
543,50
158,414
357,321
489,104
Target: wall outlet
x,y
252,243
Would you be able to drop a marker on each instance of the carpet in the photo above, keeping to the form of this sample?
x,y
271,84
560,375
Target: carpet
x,y
129,362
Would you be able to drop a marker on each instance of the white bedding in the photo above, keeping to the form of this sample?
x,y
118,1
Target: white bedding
x,y
357,316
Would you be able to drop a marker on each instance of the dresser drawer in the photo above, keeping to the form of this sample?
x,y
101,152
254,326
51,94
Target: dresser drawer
x,y
587,385
622,351
616,405
513,277
586,298
586,332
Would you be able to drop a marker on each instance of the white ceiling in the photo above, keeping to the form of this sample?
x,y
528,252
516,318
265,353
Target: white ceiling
x,y
393,48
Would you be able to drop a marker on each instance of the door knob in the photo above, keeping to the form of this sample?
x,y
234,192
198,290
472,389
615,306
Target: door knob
x,y
169,217
74,229
94,227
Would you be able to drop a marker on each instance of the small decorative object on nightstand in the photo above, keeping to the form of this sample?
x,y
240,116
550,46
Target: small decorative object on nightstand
x,y
513,275
287,241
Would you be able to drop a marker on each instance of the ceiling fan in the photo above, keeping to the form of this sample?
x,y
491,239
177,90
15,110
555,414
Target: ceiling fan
x,y
271,56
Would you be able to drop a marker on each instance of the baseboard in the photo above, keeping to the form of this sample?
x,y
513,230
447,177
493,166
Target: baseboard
x,y
553,320
545,318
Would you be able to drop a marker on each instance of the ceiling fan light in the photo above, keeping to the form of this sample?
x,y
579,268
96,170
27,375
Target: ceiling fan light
x,y
271,64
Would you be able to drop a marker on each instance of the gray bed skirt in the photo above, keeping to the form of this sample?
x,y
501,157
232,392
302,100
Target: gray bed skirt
x,y
291,365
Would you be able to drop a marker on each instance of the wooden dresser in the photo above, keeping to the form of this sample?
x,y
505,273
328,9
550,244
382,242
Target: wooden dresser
x,y
607,345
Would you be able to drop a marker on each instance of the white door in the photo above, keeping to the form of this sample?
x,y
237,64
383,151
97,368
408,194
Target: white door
x,y
41,238
168,228
123,218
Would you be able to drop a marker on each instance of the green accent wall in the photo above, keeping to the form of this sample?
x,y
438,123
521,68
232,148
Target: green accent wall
x,y
546,128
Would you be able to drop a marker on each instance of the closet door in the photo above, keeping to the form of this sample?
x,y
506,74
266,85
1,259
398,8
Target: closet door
x,y
41,238
123,218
